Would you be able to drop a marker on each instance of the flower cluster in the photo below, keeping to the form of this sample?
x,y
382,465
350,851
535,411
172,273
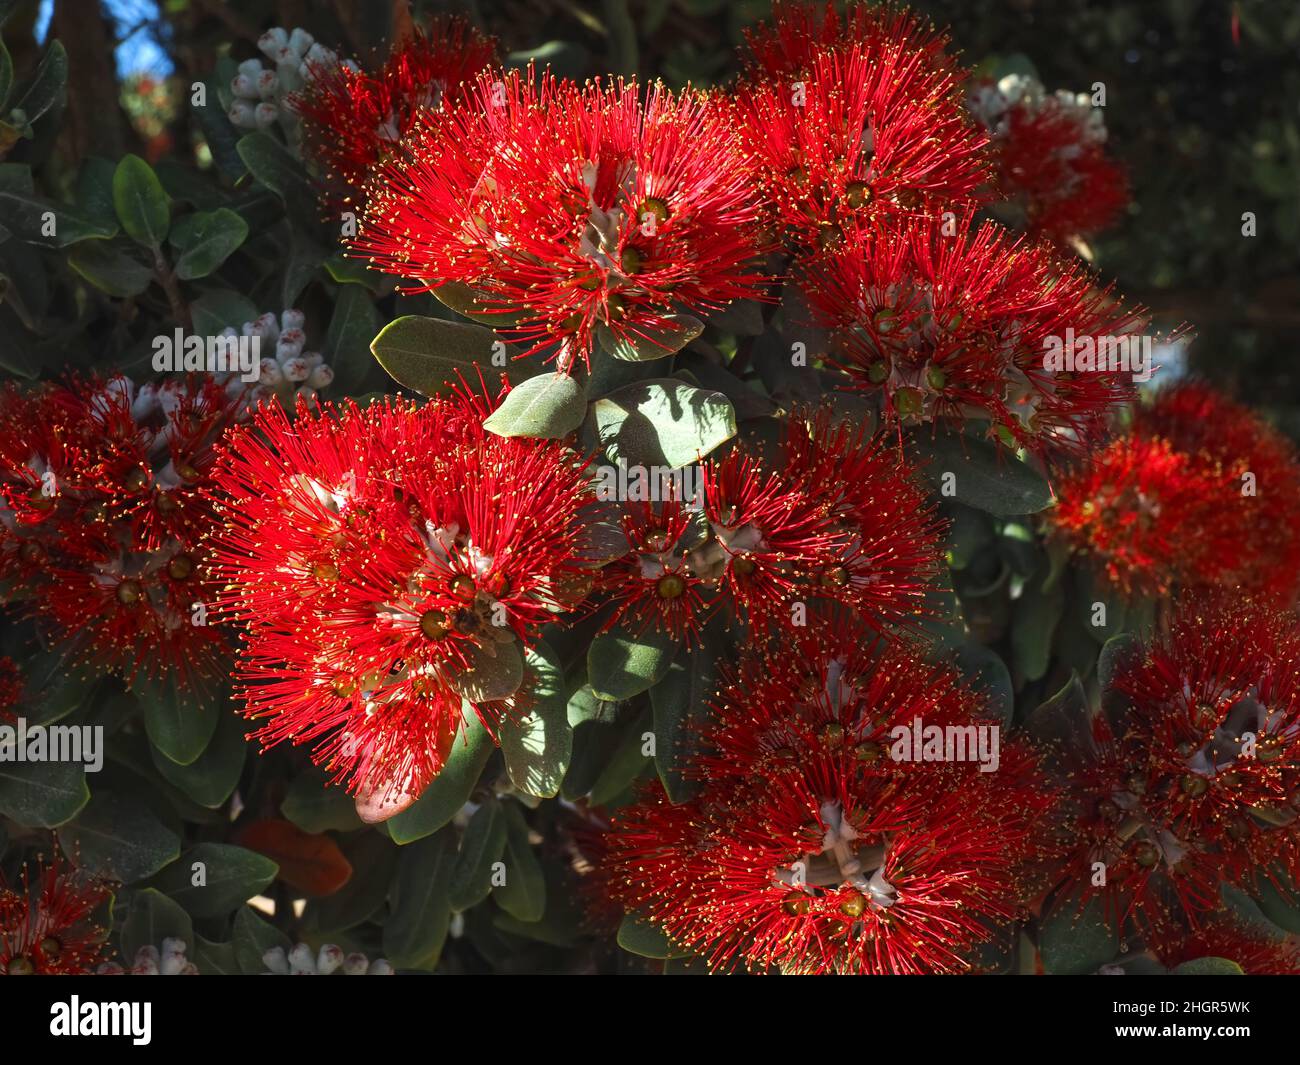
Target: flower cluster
x,y
261,95
353,120
839,519
104,515
1198,493
813,844
388,563
287,371
1190,776
1050,155
571,211
48,922
870,127
956,322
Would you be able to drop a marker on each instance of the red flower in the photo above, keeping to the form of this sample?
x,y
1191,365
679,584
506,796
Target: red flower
x,y
799,31
1198,493
952,321
810,846
104,519
1189,780
47,925
869,130
1050,156
388,563
1250,946
838,520
572,210
352,120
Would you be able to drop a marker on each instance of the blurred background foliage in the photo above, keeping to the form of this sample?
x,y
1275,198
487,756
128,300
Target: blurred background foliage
x,y
1203,107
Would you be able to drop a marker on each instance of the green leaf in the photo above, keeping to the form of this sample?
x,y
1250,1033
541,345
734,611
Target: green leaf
x,y
1277,898
450,789
179,723
480,848
1033,624
6,76
421,906
1209,967
210,778
142,205
347,344
621,664
464,300
650,344
215,959
274,166
523,895
228,877
680,706
639,936
118,837
205,240
660,423
54,687
626,762
1063,726
315,805
47,83
538,743
429,355
221,309
42,794
987,673
109,269
152,918
549,406
29,216
252,938
496,670
362,896
985,476
1075,941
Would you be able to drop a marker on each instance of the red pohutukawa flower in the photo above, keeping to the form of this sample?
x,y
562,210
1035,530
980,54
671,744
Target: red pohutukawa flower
x,y
866,130
948,321
1198,493
839,519
47,922
572,210
353,120
387,563
1258,951
800,31
1049,153
818,843
1190,777
104,515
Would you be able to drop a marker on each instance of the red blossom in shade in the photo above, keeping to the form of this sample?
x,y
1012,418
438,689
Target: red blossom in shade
x,y
572,210
104,516
800,31
868,131
951,321
809,846
1198,493
12,684
1189,777
353,120
387,563
1257,951
838,519
1051,163
47,922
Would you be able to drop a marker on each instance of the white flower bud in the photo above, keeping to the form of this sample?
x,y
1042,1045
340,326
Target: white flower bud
x,y
301,959
265,114
244,87
300,41
271,374
273,42
265,326
275,960
250,69
241,114
321,377
292,318
268,84
329,959
295,369
380,967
